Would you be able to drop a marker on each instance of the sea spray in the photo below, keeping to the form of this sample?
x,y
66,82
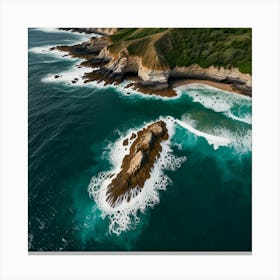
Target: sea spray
x,y
73,76
74,157
214,140
231,105
124,216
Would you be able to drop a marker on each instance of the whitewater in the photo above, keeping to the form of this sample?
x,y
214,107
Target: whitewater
x,y
200,181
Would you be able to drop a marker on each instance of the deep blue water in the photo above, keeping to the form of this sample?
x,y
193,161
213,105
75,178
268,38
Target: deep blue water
x,y
73,134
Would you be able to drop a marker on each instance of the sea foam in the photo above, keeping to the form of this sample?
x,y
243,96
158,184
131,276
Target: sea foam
x,y
68,76
55,53
81,37
214,140
240,140
219,101
124,216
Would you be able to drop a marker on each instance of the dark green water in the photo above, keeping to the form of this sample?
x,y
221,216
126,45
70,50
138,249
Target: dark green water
x,y
73,134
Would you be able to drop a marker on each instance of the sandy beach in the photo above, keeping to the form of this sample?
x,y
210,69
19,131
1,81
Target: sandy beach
x,y
219,85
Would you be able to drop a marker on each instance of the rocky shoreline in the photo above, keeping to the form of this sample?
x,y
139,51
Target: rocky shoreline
x,y
137,165
115,68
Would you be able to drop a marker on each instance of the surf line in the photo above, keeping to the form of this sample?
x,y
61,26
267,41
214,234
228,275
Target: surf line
x,y
216,141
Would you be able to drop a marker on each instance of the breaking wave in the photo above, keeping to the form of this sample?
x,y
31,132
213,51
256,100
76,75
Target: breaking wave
x,y
124,216
234,106
214,140
239,140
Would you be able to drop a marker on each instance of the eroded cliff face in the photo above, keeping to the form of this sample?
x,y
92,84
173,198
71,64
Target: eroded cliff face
x,y
152,75
123,63
217,74
113,67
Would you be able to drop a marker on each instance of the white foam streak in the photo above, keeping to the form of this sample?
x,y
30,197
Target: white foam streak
x,y
68,76
124,217
216,141
246,119
42,49
241,140
219,101
55,53
49,29
81,36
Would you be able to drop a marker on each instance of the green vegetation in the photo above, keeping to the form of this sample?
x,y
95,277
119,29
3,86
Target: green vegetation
x,y
135,33
162,47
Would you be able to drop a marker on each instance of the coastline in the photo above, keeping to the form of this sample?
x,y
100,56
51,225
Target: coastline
x,y
92,52
219,85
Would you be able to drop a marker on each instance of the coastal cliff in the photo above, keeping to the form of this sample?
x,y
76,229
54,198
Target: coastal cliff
x,y
157,78
136,166
146,54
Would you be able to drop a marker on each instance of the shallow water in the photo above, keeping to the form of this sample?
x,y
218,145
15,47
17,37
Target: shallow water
x,y
199,196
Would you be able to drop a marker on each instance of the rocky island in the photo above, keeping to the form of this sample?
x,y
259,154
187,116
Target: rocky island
x,y
137,165
158,59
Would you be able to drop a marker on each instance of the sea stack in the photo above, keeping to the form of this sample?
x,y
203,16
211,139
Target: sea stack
x,y
137,165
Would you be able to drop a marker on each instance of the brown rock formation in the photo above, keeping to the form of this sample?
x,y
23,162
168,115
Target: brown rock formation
x,y
137,165
133,135
115,67
125,142
88,50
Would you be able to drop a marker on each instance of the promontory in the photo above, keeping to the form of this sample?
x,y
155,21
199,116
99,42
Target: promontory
x,y
158,59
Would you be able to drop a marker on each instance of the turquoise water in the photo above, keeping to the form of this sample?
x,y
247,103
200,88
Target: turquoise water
x,y
199,198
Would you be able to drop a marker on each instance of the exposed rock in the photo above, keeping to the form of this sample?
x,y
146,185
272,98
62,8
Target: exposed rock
x,y
136,163
88,50
157,79
133,135
145,141
136,166
125,142
95,62
232,76
156,130
56,76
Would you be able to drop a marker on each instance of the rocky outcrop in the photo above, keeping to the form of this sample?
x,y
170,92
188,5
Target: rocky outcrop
x,y
114,67
88,50
158,79
136,166
123,63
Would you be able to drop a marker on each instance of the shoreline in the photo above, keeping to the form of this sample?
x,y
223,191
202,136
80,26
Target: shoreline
x,y
219,85
90,61
90,51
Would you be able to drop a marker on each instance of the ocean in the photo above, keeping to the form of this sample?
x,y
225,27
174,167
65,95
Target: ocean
x,y
199,195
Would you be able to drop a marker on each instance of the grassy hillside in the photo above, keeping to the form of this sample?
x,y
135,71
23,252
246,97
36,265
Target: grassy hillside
x,y
163,47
